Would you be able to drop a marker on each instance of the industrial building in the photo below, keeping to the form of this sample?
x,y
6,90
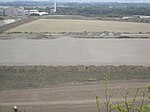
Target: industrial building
x,y
19,11
14,11
10,11
36,12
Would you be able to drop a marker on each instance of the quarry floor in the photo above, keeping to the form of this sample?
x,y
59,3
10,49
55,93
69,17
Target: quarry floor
x,y
75,51
65,51
78,98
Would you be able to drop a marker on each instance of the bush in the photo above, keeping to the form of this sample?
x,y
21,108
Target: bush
x,y
148,90
127,106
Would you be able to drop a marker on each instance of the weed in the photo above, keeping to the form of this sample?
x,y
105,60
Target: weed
x,y
148,90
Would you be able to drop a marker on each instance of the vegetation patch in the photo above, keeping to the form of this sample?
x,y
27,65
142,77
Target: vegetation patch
x,y
24,77
128,105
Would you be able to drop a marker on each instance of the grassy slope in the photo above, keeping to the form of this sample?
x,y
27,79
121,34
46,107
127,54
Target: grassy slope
x,y
43,76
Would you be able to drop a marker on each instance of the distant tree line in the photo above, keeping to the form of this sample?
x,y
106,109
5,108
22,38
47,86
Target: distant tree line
x,y
102,9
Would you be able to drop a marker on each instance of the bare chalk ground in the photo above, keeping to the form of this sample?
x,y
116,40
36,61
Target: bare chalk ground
x,y
79,98
74,51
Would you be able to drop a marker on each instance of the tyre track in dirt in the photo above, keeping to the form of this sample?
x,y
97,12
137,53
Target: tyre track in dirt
x,y
79,98
74,102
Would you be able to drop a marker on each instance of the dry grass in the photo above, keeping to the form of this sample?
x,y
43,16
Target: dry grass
x,y
58,25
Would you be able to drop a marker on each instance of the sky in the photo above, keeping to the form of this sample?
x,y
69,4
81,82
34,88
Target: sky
x,y
141,1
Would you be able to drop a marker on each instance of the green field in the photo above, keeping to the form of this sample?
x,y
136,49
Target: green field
x,y
67,25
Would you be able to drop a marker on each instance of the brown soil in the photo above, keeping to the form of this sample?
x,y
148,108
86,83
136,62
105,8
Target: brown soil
x,y
69,98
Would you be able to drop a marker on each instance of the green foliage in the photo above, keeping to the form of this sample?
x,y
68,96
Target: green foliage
x,y
127,106
99,10
97,103
34,14
105,10
148,90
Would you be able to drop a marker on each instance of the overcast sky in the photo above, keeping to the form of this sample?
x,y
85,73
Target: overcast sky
x,y
146,1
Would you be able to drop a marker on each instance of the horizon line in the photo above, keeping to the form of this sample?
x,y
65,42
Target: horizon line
x,y
72,1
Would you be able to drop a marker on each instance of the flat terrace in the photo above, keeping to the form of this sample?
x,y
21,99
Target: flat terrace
x,y
70,25
74,51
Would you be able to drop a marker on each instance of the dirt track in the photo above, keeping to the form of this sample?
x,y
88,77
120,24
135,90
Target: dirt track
x,y
65,99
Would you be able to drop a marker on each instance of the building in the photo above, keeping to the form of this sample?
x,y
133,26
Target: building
x,y
30,12
36,12
14,11
145,17
1,12
11,11
19,11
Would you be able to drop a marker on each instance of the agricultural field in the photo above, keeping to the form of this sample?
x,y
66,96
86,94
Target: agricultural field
x,y
68,25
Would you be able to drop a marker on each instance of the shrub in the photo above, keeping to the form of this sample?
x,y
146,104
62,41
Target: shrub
x,y
127,106
148,90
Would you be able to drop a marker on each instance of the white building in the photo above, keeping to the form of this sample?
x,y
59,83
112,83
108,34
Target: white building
x,y
30,12
33,12
43,13
145,17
